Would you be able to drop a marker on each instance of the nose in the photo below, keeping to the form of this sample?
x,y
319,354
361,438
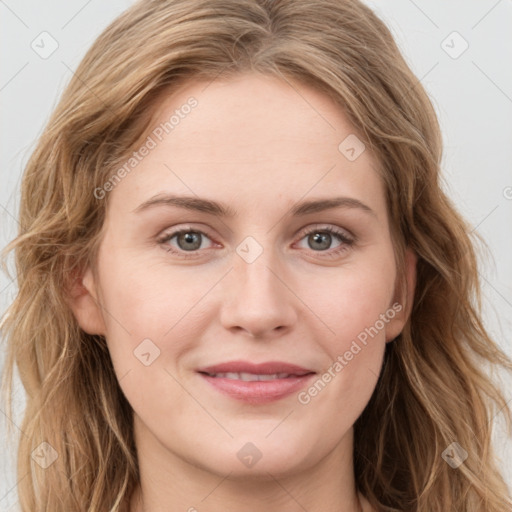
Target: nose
x,y
258,300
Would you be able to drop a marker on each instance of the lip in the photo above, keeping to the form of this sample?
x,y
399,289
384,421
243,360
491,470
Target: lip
x,y
257,392
266,368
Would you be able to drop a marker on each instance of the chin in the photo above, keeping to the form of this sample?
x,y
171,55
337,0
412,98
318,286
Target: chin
x,y
260,459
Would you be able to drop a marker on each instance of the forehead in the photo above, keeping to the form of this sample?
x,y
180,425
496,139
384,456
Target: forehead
x,y
250,135
252,110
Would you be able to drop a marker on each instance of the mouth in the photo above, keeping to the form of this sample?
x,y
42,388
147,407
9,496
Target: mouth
x,y
256,383
251,377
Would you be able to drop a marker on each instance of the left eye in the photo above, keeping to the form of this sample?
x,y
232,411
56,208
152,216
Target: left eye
x,y
323,237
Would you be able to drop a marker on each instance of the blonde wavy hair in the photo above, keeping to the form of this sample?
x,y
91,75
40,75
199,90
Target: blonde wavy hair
x,y
433,389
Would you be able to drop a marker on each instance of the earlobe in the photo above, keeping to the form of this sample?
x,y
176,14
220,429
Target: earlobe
x,y
404,297
84,303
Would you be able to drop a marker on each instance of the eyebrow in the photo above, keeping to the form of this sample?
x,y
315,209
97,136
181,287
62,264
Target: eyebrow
x,y
220,209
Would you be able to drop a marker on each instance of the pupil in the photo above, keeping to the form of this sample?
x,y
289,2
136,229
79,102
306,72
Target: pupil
x,y
190,238
325,237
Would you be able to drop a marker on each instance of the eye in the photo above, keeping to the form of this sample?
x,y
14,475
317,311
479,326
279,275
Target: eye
x,y
320,238
187,239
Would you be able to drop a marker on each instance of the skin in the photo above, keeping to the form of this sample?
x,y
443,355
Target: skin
x,y
260,145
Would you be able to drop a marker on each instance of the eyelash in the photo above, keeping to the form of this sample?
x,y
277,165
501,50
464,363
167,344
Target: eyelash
x,y
347,242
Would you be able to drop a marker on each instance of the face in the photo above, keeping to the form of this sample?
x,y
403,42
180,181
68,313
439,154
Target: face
x,y
247,340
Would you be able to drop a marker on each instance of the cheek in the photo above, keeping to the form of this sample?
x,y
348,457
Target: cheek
x,y
154,315
357,311
145,312
149,299
355,306
353,301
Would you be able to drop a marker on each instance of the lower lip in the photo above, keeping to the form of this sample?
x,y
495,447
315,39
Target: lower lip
x,y
258,392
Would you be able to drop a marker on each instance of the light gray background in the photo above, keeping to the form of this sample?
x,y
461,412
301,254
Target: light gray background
x,y
472,95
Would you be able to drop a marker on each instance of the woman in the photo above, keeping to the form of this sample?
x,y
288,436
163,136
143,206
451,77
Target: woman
x,y
318,346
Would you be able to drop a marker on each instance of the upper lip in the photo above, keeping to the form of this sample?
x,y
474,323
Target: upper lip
x,y
268,368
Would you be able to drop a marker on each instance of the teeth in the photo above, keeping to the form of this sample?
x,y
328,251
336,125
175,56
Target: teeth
x,y
250,377
247,377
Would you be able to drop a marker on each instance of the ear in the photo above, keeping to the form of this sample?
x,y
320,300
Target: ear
x,y
83,300
403,298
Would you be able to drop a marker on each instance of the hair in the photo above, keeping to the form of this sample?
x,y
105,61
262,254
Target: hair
x,y
432,390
